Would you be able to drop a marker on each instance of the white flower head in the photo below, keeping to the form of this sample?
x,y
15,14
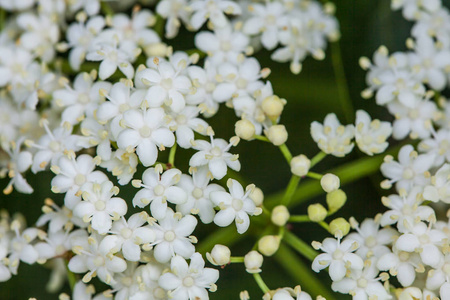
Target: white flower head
x,y
332,137
234,206
371,135
189,282
215,156
158,189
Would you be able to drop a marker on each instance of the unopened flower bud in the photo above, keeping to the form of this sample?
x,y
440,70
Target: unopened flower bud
x,y
220,255
335,200
280,215
253,262
300,165
277,134
245,129
257,196
244,295
330,182
316,212
339,227
273,107
269,244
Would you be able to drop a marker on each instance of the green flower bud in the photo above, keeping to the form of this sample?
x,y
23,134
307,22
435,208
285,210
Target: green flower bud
x,y
280,215
317,213
339,227
335,200
269,244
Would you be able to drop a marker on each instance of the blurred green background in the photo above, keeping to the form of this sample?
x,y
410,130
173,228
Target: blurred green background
x,y
365,25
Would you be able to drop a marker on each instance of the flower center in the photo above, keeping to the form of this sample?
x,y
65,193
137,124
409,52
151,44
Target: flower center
x,y
403,256
181,119
408,173
145,131
99,261
424,239
83,98
158,190
127,281
216,151
446,269
371,241
210,87
225,45
338,254
100,205
55,146
197,193
124,107
169,236
80,179
237,204
188,281
166,83
362,282
126,232
241,83
159,293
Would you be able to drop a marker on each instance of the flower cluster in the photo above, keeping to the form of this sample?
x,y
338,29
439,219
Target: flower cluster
x,y
408,243
88,93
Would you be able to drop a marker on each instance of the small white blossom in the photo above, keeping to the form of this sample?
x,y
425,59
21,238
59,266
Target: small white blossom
x,y
371,136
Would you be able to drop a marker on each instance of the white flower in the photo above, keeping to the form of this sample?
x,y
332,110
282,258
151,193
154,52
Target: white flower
x,y
167,83
435,24
158,189
81,100
185,123
198,190
19,162
406,210
216,156
413,9
99,206
99,136
439,190
173,10
95,255
234,206
412,169
80,37
362,284
21,246
214,11
373,241
122,164
145,131
14,64
338,257
425,241
58,217
223,45
430,62
54,144
289,294
111,57
371,135
417,121
401,264
72,174
189,281
267,19
437,277
40,36
132,234
438,145
172,236
332,137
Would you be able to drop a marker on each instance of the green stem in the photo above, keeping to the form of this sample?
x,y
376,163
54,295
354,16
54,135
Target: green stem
x,y
347,173
262,285
314,175
236,259
316,159
286,153
341,82
106,8
290,190
173,150
261,138
324,226
71,277
300,246
299,219
302,273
